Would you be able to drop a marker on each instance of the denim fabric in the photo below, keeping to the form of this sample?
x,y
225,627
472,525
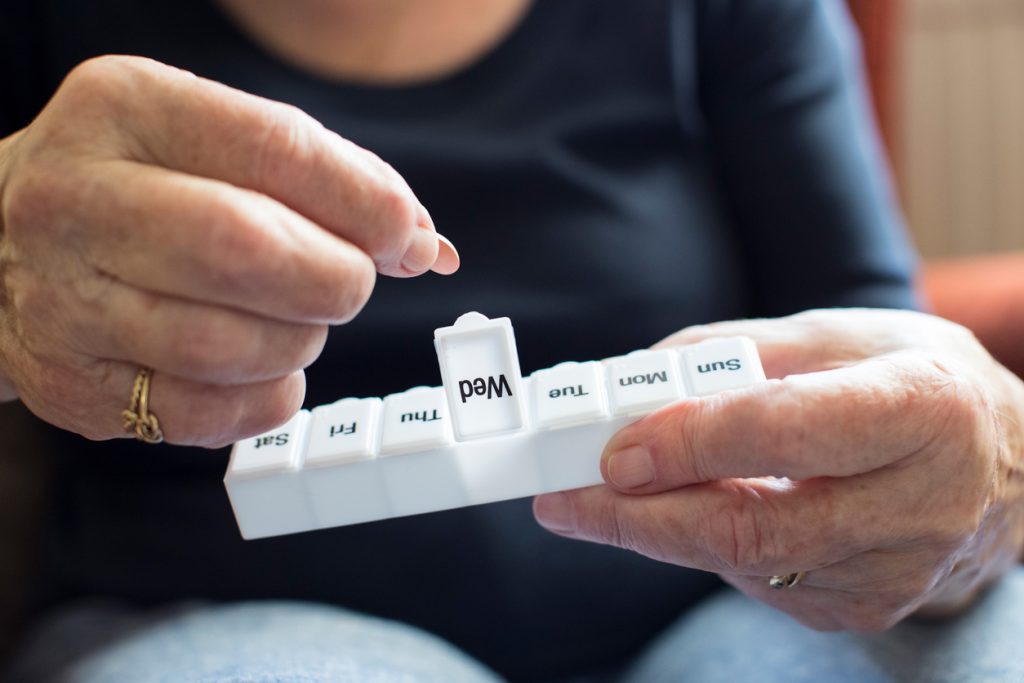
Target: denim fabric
x,y
283,642
733,638
730,638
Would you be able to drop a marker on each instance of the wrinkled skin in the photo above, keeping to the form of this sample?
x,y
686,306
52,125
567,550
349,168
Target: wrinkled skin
x,y
153,218
885,459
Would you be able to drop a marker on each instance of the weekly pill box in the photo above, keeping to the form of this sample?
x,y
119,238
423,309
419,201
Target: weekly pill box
x,y
487,434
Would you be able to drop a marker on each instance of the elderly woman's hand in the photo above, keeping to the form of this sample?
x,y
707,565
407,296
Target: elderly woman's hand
x,y
152,218
887,464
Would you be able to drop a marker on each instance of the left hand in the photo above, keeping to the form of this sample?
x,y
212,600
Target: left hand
x,y
898,444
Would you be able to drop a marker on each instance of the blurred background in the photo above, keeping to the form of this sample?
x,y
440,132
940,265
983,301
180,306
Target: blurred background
x,y
948,81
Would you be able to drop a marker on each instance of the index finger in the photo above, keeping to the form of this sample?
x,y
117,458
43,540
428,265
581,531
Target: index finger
x,y
206,241
833,423
805,342
746,527
201,127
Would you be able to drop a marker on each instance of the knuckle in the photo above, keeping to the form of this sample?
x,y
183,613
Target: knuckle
x,y
599,519
960,422
99,69
616,530
110,99
393,214
944,396
692,449
739,538
100,82
945,408
94,75
285,138
90,292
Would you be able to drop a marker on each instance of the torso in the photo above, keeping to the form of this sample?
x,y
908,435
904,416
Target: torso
x,y
384,42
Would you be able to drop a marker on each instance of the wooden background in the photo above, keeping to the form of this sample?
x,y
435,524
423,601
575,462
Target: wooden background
x,y
958,103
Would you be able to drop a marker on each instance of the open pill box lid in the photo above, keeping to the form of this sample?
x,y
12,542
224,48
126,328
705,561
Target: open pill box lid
x,y
481,376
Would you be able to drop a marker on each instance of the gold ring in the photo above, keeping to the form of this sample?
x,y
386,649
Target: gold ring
x,y
137,418
786,580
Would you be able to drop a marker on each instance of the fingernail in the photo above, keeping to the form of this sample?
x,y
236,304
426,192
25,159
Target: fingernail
x,y
422,251
631,468
555,512
447,257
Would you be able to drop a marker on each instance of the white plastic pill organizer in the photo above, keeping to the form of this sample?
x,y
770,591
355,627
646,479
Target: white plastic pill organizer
x,y
487,434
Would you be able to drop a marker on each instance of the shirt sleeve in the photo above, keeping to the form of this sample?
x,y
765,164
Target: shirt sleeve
x,y
799,157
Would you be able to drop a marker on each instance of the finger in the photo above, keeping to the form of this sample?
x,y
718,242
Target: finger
x,y
207,241
806,342
205,128
207,344
904,573
903,578
198,414
763,527
88,399
824,609
868,592
784,348
835,423
760,527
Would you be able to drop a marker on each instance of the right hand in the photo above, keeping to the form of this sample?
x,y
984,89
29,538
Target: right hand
x,y
152,218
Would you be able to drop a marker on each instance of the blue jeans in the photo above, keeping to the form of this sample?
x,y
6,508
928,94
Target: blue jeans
x,y
729,638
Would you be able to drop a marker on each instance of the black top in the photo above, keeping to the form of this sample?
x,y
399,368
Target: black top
x,y
610,173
